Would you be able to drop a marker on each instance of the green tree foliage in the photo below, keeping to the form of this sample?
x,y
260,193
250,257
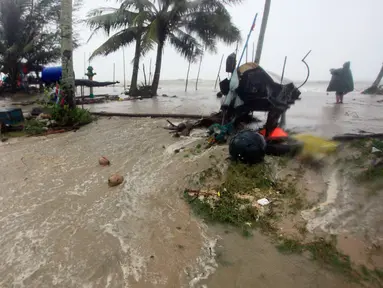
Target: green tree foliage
x,y
189,26
29,33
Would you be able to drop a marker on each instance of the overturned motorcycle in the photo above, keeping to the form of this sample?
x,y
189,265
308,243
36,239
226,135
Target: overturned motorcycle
x,y
251,89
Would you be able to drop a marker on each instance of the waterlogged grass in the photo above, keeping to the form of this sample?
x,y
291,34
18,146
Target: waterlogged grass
x,y
327,255
255,182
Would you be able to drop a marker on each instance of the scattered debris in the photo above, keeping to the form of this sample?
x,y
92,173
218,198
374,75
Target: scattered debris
x,y
27,116
103,161
36,111
115,180
375,150
44,116
263,202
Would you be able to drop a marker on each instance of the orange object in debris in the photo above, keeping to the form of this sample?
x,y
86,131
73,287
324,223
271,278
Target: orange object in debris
x,y
277,133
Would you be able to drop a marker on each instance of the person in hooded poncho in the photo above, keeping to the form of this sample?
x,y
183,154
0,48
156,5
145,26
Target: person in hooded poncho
x,y
341,82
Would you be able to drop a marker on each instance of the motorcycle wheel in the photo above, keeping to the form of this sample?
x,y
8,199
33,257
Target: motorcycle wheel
x,y
287,146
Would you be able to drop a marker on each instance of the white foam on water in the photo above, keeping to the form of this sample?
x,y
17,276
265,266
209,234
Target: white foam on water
x,y
321,215
206,263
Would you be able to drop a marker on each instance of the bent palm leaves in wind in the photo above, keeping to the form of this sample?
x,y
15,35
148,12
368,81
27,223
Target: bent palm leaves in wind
x,y
129,21
188,26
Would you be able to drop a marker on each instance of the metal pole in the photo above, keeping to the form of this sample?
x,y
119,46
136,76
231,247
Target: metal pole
x,y
283,117
187,77
253,53
123,63
199,70
247,40
219,70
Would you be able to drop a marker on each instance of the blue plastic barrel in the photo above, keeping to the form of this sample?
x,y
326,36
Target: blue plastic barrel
x,y
51,75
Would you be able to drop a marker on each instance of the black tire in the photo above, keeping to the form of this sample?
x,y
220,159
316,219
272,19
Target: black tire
x,y
283,147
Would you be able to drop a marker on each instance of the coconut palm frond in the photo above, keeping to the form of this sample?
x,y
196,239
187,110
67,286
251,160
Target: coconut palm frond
x,y
185,44
115,42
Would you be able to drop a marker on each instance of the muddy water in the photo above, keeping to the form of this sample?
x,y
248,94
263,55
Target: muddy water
x,y
316,112
62,226
254,262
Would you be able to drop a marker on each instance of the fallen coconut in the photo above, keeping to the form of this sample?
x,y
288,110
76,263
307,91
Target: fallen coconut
x,y
103,161
115,180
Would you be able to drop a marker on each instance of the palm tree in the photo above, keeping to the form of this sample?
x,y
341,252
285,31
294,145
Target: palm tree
x,y
16,36
188,26
262,33
67,82
130,23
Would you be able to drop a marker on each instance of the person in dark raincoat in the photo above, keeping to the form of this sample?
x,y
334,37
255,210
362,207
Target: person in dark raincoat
x,y
341,82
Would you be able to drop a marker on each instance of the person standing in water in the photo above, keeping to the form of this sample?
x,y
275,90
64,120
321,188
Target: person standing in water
x,y
341,82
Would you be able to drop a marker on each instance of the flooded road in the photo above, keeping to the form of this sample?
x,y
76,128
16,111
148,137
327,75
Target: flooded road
x,y
62,226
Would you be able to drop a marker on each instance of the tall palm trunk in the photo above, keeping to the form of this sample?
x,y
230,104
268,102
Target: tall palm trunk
x,y
157,72
133,91
262,33
68,86
13,77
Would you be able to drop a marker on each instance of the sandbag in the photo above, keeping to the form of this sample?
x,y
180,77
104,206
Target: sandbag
x,y
248,147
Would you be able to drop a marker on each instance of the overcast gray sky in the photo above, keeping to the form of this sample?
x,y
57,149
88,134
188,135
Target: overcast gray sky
x,y
335,30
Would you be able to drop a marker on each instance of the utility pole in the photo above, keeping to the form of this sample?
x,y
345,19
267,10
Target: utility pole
x,y
262,33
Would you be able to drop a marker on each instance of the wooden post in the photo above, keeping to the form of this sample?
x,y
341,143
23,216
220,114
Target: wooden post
x,y
150,72
219,70
187,76
114,73
283,117
123,63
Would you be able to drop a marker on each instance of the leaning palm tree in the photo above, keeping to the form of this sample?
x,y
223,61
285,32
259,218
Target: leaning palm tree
x,y
130,23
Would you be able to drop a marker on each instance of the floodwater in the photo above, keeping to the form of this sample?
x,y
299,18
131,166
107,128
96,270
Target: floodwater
x,y
316,112
62,226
